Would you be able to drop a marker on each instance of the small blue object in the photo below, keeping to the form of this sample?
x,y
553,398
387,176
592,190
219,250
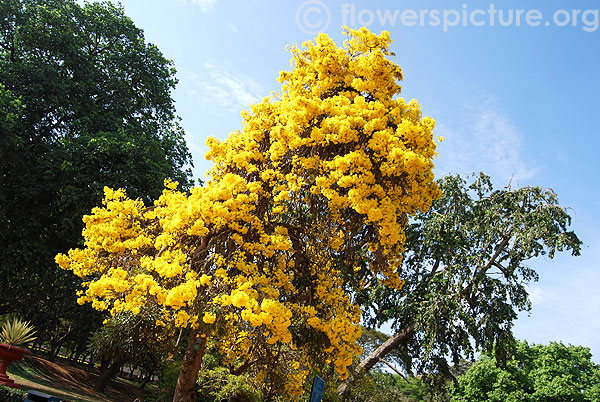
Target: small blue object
x,y
34,396
316,395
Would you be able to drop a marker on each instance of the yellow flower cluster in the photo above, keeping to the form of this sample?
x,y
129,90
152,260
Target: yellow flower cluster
x,y
321,179
209,318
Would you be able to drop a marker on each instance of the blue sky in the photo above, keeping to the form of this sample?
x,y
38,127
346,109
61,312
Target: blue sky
x,y
517,101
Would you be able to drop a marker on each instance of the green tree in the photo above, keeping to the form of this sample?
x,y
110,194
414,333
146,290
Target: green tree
x,y
85,103
380,386
129,338
466,274
535,373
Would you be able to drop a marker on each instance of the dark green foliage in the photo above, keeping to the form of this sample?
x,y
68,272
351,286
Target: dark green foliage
x,y
167,382
217,383
11,394
85,103
466,273
131,338
385,387
535,373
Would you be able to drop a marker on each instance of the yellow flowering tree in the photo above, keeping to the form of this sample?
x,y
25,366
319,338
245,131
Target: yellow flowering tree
x,y
304,204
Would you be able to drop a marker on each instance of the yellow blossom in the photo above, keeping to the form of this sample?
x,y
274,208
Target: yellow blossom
x,y
209,318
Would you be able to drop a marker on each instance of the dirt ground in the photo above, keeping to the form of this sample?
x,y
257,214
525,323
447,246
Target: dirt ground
x,y
68,382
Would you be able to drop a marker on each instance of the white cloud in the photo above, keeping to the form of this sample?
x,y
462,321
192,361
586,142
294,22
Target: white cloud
x,y
537,295
232,28
220,85
205,5
483,139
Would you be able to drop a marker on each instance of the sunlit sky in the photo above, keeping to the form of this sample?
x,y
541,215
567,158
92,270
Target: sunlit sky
x,y
516,99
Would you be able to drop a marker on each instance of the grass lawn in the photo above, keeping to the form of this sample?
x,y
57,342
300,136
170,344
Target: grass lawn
x,y
67,382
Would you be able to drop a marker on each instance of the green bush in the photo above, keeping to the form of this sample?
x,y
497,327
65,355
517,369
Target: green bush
x,y
8,394
385,387
549,373
217,384
167,382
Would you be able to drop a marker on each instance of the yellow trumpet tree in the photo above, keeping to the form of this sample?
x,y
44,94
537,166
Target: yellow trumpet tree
x,y
306,201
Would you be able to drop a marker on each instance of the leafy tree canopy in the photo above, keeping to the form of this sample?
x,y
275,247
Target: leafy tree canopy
x,y
465,266
535,373
85,102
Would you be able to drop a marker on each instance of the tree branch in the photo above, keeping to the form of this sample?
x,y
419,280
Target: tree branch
x,y
390,365
376,356
479,273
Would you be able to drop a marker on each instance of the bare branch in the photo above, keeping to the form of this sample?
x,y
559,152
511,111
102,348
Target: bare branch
x,y
393,368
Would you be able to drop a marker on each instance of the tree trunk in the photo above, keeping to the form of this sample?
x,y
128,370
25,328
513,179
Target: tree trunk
x,y
56,343
104,363
39,343
378,354
188,374
107,375
56,347
79,356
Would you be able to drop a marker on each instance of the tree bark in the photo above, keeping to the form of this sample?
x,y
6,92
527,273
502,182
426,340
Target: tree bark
x,y
107,375
185,390
56,343
79,352
377,355
56,347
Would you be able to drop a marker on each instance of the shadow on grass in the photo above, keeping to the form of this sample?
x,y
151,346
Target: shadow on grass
x,y
68,383
43,373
